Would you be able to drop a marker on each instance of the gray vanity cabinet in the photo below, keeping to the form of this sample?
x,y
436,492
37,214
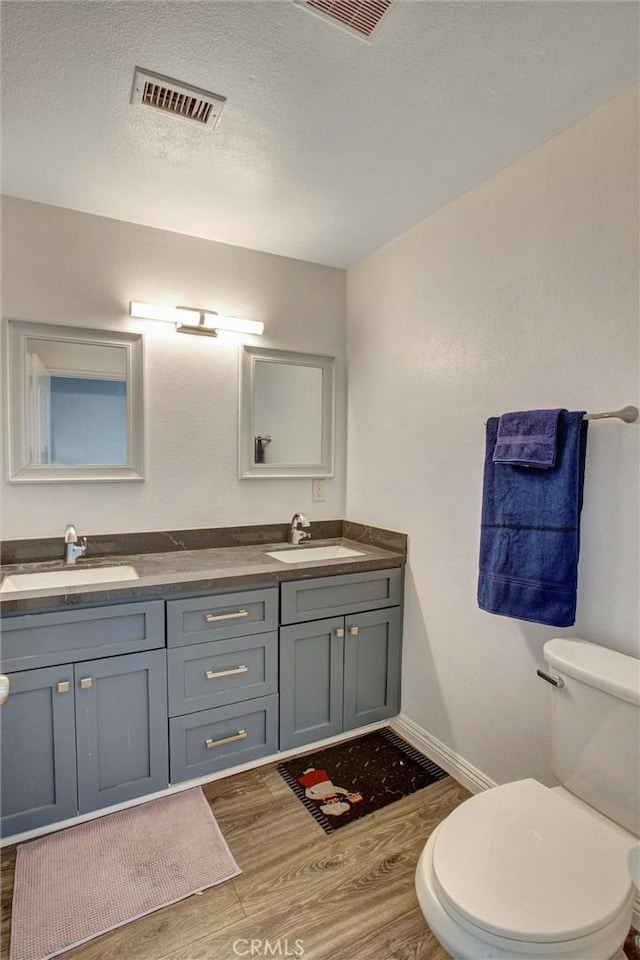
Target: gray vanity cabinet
x,y
339,672
78,736
98,704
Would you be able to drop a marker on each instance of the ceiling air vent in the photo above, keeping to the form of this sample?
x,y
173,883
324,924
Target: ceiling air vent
x,y
177,98
358,16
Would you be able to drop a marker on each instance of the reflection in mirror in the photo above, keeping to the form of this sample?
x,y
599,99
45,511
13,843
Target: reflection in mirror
x,y
286,414
74,402
287,402
78,394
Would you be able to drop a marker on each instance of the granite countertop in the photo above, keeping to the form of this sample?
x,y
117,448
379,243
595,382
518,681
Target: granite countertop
x,y
177,573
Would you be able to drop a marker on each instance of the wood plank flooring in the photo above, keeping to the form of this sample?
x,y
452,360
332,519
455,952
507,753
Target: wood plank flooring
x,y
348,896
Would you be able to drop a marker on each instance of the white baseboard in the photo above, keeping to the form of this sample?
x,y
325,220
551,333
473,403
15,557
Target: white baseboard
x,y
459,768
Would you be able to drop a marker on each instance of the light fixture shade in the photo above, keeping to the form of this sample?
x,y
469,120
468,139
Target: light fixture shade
x,y
237,325
192,317
154,311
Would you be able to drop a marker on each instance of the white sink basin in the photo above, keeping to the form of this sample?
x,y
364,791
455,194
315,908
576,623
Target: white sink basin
x,y
67,577
304,554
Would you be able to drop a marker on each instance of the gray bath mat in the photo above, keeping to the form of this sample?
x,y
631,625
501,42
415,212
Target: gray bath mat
x,y
74,885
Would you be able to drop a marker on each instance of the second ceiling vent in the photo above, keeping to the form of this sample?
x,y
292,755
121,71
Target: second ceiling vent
x,y
177,98
357,16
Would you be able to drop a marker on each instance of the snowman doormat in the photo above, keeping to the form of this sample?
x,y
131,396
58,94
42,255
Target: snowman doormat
x,y
344,783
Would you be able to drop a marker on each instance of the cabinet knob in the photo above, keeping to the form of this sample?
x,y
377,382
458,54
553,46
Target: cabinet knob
x,y
86,682
354,631
63,687
339,632
5,683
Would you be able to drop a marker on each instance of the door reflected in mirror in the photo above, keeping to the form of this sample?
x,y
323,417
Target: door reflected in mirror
x,y
286,414
75,403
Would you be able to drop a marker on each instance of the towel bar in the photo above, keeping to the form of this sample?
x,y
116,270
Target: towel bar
x,y
628,414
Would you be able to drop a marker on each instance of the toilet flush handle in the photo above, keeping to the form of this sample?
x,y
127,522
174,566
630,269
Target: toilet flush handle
x,y
554,681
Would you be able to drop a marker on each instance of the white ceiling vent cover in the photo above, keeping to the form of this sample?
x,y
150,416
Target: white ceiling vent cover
x,y
357,16
177,98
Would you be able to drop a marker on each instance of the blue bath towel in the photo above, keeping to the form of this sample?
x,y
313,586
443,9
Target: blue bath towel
x,y
530,537
527,437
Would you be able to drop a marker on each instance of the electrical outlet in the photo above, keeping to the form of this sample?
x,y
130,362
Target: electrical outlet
x,y
317,491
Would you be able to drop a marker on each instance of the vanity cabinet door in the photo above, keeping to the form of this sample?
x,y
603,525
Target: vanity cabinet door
x,y
311,675
38,736
121,721
372,651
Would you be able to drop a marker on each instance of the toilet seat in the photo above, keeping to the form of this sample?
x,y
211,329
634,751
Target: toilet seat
x,y
518,863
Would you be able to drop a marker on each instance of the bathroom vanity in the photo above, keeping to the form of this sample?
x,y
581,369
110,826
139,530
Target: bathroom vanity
x,y
116,694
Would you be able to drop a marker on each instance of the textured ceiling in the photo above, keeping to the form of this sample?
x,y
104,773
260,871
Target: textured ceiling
x,y
328,145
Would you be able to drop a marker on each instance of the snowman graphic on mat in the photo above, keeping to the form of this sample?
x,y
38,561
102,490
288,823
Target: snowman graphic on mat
x,y
333,801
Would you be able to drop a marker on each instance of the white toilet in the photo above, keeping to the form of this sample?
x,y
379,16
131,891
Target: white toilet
x,y
525,870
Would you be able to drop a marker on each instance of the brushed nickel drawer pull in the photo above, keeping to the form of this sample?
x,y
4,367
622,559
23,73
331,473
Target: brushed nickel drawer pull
x,y
240,735
211,674
339,632
63,686
212,617
86,683
354,631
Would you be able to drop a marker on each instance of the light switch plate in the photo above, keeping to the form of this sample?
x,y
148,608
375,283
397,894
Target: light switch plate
x,y
317,491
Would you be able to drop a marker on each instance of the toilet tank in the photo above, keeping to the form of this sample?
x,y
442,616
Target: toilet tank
x,y
595,750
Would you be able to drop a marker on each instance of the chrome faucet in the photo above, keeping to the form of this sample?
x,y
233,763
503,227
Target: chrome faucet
x,y
73,549
296,535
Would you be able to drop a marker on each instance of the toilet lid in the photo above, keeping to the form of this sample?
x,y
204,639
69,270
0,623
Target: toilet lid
x,y
523,863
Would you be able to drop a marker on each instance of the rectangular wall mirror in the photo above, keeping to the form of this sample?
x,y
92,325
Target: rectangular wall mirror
x,y
74,404
286,414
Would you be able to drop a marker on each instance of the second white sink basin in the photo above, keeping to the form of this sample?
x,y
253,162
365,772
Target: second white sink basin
x,y
304,554
67,577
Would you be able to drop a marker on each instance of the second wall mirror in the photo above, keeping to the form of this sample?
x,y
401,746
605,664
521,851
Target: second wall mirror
x,y
286,414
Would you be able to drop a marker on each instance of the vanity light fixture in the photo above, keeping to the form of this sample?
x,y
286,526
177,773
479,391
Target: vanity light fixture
x,y
191,320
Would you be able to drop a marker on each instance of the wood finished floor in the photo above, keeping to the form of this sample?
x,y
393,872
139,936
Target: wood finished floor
x,y
348,896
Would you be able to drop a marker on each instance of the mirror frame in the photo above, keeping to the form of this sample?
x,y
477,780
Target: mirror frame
x,y
16,404
247,469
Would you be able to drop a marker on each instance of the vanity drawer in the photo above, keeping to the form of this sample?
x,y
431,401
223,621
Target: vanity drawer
x,y
211,740
328,596
221,616
48,639
213,674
